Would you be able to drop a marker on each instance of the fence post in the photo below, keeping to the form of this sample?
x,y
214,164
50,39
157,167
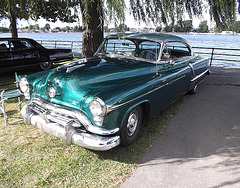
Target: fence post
x,y
55,44
211,56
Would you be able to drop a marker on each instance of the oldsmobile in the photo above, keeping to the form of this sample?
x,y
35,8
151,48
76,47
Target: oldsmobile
x,y
100,102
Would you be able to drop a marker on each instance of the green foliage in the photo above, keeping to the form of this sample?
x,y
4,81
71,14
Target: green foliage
x,y
47,27
122,28
106,29
16,7
224,11
183,26
169,28
237,27
36,26
158,29
77,28
51,10
4,29
164,11
203,27
218,29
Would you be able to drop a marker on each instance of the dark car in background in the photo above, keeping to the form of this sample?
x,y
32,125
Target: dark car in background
x,y
21,53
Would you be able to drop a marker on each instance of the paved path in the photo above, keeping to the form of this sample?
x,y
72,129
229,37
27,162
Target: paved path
x,y
201,145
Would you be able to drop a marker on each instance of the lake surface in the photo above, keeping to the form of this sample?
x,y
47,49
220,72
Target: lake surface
x,y
195,40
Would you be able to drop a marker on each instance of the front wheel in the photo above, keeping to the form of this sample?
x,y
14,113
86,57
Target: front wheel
x,y
131,126
45,65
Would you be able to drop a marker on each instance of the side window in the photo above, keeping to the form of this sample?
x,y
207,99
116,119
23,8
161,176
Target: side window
x,y
149,50
175,50
20,45
4,46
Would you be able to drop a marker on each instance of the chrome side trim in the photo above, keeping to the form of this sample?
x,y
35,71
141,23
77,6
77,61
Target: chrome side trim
x,y
196,80
200,75
192,69
111,108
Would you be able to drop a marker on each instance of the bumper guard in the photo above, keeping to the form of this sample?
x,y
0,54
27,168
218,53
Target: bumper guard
x,y
69,134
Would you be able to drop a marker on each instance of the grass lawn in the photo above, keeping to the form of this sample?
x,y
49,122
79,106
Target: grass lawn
x,y
31,158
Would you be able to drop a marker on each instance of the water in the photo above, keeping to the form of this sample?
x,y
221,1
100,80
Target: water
x,y
195,40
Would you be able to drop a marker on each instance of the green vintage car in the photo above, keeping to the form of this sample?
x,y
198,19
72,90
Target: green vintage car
x,y
99,103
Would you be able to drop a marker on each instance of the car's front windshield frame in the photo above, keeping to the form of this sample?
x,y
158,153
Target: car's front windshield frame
x,y
133,53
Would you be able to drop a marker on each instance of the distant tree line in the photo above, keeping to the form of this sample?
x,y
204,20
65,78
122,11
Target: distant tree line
x,y
181,26
4,29
47,27
232,26
184,26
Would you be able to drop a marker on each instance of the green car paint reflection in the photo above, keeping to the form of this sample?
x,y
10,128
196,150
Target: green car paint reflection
x,y
99,103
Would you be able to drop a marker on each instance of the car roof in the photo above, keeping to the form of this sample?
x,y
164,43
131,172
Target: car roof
x,y
150,36
10,38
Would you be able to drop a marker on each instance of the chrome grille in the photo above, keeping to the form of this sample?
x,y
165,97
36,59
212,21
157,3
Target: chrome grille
x,y
53,115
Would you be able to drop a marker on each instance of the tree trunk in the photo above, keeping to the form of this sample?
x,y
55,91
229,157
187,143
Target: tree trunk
x,y
13,25
92,29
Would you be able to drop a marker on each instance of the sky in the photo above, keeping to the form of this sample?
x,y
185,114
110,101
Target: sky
x,y
130,22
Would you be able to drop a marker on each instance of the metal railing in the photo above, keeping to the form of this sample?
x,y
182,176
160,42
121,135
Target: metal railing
x,y
218,56
76,46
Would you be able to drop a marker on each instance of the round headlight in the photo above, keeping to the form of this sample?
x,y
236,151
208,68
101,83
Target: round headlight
x,y
24,85
97,107
52,92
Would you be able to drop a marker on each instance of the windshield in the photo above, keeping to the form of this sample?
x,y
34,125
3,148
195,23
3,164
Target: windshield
x,y
135,48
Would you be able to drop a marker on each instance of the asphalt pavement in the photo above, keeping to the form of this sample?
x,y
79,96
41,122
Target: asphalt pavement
x,y
201,144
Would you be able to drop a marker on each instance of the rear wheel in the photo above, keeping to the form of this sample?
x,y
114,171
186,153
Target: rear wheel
x,y
45,65
131,126
193,90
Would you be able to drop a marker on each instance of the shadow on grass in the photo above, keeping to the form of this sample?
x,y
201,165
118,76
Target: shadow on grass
x,y
151,128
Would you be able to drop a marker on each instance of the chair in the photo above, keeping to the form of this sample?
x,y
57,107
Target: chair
x,y
7,94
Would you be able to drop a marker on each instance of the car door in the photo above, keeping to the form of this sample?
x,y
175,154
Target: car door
x,y
178,56
5,54
173,74
23,52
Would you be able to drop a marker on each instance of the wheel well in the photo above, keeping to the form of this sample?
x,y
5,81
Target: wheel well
x,y
146,110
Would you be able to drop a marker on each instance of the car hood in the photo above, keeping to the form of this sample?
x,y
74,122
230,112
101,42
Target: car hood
x,y
86,78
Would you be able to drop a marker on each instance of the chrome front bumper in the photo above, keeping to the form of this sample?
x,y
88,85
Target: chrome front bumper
x,y
69,133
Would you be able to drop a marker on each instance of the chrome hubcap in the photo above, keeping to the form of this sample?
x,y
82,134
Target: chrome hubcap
x,y
45,64
132,123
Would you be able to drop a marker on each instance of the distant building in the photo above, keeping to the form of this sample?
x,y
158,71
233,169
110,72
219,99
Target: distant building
x,y
228,33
